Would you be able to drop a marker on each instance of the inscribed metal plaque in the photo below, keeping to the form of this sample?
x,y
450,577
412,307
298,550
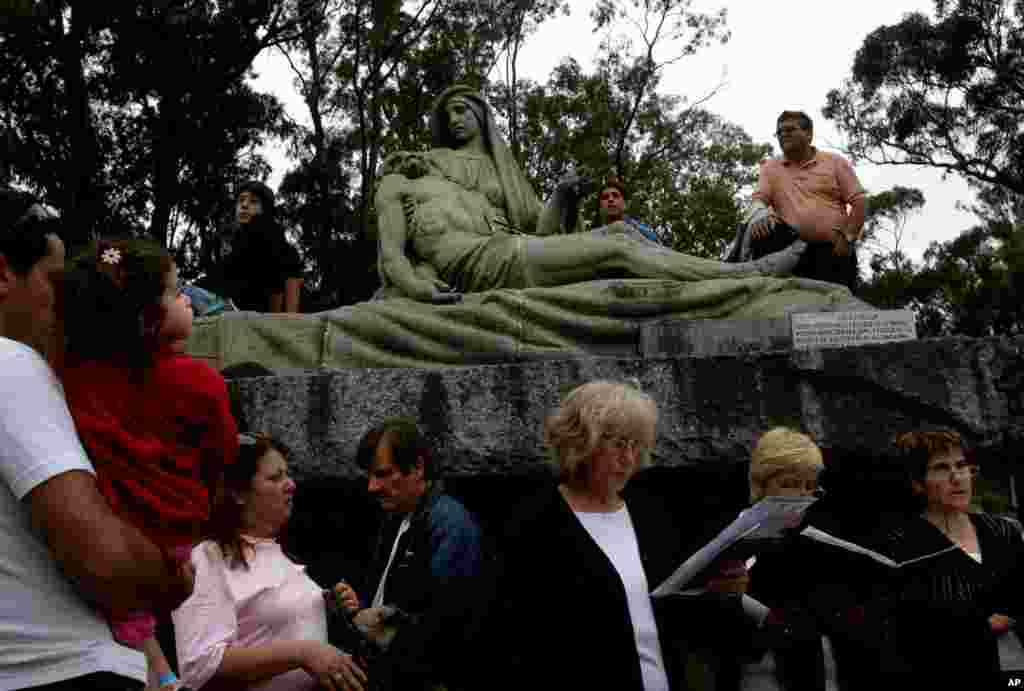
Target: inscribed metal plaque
x,y
840,329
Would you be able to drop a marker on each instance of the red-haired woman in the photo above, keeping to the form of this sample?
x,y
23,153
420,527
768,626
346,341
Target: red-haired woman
x,y
961,597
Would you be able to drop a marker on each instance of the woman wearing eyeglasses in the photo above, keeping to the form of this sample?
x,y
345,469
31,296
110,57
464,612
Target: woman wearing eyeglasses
x,y
966,591
582,557
788,651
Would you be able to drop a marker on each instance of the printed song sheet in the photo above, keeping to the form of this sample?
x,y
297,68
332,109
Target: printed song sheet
x,y
766,519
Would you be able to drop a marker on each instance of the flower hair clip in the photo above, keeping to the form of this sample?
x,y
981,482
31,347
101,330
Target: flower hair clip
x,y
111,256
110,261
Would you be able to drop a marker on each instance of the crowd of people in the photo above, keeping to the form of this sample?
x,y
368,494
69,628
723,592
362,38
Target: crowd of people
x,y
132,498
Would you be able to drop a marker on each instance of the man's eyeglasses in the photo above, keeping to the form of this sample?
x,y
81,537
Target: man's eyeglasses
x,y
783,131
951,470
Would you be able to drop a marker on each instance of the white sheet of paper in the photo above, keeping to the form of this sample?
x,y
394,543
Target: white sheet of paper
x,y
829,539
765,519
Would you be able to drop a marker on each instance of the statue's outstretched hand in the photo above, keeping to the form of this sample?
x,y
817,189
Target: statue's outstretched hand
x,y
432,290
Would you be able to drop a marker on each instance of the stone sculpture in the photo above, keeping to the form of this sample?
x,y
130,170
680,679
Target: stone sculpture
x,y
476,270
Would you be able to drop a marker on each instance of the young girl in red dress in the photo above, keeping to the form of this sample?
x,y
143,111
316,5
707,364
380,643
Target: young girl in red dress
x,y
155,421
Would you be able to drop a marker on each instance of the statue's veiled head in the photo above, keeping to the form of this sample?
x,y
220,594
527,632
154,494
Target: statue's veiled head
x,y
459,115
521,204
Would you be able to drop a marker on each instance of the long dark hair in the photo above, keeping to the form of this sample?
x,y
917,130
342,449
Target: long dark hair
x,y
265,194
265,222
113,291
225,526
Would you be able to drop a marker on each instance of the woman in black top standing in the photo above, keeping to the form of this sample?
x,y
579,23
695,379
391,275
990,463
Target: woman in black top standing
x,y
966,592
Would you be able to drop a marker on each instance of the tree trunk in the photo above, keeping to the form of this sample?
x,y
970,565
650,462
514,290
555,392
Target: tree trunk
x,y
317,225
165,174
80,199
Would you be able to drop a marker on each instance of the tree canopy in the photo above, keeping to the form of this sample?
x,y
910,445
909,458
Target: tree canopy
x,y
946,92
136,117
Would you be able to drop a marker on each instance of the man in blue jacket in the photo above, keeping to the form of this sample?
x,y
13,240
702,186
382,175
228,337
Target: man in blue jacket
x,y
427,559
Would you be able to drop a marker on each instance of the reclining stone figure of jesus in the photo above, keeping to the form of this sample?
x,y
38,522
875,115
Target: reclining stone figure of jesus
x,y
462,218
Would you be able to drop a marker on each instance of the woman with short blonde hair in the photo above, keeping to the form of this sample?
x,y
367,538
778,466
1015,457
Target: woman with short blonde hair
x,y
593,411
596,552
784,462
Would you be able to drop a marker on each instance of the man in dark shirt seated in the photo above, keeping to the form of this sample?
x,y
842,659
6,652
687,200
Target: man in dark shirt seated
x,y
257,269
613,209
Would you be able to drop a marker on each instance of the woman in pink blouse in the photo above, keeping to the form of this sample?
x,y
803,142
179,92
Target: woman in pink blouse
x,y
255,619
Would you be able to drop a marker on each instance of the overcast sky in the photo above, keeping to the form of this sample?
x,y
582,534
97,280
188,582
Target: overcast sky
x,y
783,55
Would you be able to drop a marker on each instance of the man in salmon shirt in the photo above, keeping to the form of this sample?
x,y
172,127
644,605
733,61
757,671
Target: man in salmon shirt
x,y
811,194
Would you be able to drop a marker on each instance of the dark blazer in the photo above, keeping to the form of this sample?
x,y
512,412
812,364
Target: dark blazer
x,y
945,602
440,550
434,578
561,615
921,626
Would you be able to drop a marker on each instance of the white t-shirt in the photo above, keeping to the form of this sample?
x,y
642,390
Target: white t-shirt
x,y
378,597
614,533
48,633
